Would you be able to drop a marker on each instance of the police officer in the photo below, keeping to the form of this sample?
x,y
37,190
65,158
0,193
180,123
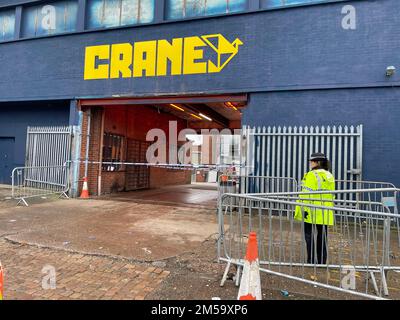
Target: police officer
x,y
316,221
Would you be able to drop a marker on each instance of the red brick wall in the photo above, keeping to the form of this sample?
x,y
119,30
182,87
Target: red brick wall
x,y
200,176
112,182
133,122
163,177
94,149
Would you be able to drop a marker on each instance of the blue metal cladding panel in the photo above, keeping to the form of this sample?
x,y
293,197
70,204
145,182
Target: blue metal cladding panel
x,y
375,108
95,14
7,25
112,13
177,9
304,47
16,117
281,3
35,19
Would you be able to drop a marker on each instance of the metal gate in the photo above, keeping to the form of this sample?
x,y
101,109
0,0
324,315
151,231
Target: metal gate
x,y
284,151
137,176
46,171
48,146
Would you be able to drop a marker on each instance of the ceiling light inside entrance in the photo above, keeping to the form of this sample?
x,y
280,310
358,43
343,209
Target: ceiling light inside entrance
x,y
230,104
177,107
195,116
205,117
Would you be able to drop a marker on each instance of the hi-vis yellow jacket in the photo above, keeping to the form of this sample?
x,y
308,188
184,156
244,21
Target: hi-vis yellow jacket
x,y
317,180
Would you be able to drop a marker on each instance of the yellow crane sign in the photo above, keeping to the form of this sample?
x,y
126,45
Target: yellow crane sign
x,y
223,48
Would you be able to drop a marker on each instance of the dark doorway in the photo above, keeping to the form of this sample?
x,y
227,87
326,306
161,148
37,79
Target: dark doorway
x,y
6,159
137,177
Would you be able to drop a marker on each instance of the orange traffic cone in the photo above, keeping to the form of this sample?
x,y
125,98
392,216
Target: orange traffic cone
x,y
85,190
224,178
250,285
1,282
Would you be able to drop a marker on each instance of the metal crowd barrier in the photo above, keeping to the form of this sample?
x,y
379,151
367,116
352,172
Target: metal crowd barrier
x,y
390,199
254,184
33,182
363,245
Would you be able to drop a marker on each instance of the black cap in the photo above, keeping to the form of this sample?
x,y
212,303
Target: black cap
x,y
318,156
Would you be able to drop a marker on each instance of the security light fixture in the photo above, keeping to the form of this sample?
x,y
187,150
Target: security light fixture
x,y
390,71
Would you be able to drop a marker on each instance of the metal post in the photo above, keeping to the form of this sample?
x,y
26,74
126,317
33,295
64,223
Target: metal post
x,y
254,5
101,152
360,151
18,19
77,142
81,15
159,9
88,143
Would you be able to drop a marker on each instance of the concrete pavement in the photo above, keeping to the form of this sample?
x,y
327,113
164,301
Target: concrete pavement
x,y
100,249
77,276
137,231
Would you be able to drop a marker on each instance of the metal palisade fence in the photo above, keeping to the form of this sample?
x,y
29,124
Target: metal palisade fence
x,y
284,151
46,171
48,146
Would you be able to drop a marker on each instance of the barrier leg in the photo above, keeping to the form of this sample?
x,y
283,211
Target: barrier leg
x,y
238,275
63,195
225,274
384,283
371,273
22,200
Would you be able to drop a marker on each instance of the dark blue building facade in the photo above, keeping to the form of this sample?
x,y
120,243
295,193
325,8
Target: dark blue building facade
x,y
15,118
310,63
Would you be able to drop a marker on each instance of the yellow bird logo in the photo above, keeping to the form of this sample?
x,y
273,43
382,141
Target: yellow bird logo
x,y
225,50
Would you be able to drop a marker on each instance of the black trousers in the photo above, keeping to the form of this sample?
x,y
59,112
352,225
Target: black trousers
x,y
316,240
